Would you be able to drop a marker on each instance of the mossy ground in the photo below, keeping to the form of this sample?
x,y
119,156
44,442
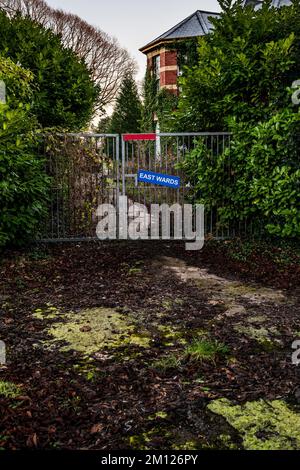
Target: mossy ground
x,y
90,331
182,430
268,337
263,425
171,335
100,339
260,425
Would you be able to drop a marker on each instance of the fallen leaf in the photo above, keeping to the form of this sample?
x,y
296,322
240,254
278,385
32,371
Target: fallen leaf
x,y
96,428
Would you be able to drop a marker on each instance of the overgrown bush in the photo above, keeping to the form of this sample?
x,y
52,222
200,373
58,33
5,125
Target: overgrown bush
x,y
244,68
23,182
257,178
64,93
242,83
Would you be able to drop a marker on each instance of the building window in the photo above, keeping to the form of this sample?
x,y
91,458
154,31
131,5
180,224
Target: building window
x,y
156,66
156,69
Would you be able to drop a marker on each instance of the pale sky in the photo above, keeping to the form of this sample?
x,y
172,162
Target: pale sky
x,y
134,23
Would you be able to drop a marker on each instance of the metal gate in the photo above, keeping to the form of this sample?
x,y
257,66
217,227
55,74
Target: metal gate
x,y
84,171
87,170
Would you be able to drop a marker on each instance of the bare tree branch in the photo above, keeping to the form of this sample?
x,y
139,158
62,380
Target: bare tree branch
x,y
105,58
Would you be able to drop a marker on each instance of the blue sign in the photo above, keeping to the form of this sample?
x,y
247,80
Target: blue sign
x,y
168,181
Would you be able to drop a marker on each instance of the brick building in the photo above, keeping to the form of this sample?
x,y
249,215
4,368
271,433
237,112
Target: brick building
x,y
162,59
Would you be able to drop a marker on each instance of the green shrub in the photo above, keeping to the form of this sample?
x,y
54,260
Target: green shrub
x,y
64,93
244,68
242,83
256,179
23,182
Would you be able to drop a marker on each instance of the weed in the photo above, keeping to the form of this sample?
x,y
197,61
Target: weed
x,y
167,363
9,390
205,350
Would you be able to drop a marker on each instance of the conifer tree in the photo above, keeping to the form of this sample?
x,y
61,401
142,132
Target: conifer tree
x,y
126,117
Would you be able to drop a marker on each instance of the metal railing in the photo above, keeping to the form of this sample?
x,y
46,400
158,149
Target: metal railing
x,y
87,170
84,172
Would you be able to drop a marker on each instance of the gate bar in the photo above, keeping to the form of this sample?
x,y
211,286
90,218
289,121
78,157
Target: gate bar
x,y
129,137
191,134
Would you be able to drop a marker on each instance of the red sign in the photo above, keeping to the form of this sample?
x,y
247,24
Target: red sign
x,y
128,137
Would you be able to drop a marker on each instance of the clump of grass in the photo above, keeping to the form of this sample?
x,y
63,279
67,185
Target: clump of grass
x,y
9,390
205,350
167,363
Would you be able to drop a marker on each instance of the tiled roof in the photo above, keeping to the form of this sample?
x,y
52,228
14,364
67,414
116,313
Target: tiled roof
x,y
198,24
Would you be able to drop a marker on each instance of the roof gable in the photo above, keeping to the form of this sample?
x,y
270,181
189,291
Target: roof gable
x,y
198,24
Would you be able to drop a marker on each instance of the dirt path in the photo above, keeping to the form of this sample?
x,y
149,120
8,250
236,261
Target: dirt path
x,y
146,346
